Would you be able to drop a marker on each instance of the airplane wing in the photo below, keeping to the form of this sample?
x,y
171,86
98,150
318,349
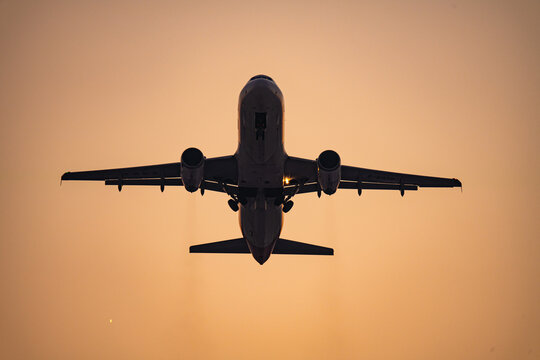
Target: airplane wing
x,y
304,172
220,174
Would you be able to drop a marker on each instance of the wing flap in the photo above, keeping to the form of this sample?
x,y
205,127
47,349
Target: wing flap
x,y
374,186
208,185
149,182
313,187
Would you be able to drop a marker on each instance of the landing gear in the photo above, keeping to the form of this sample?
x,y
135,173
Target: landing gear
x,y
233,205
286,200
288,206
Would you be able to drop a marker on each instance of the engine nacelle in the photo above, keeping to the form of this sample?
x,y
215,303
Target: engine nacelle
x,y
192,171
329,171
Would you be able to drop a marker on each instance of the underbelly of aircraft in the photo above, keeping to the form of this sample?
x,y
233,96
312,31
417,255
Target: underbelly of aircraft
x,y
261,222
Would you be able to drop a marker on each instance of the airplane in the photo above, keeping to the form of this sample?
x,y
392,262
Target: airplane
x,y
260,178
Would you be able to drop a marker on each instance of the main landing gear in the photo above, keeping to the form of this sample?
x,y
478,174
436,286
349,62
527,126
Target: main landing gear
x,y
235,198
233,205
240,197
288,206
286,201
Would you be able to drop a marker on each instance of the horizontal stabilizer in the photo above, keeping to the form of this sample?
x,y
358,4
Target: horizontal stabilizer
x,y
234,246
239,246
295,247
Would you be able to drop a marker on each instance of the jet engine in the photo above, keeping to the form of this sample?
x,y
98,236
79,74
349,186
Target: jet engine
x,y
329,171
192,171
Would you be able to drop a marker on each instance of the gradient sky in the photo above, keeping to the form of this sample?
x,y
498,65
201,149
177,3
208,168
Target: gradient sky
x,y
446,88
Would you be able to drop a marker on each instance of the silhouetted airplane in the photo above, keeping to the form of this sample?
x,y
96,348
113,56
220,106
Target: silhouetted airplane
x,y
260,178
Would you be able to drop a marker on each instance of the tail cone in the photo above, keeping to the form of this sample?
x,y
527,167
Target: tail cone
x,y
261,254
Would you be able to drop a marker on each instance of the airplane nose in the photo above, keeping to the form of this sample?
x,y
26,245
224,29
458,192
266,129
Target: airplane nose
x,y
261,254
261,76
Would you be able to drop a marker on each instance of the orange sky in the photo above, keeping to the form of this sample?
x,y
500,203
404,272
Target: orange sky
x,y
448,89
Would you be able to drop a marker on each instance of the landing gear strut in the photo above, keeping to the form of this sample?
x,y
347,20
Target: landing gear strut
x,y
235,198
286,201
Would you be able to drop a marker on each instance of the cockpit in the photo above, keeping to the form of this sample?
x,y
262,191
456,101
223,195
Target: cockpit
x,y
261,77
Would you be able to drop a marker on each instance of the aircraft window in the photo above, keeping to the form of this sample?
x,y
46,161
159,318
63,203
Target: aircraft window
x,y
261,77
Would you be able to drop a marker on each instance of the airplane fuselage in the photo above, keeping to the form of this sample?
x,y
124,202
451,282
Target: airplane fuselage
x,y
261,159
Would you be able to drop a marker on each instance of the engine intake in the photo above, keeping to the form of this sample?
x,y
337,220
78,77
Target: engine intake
x,y
192,171
329,171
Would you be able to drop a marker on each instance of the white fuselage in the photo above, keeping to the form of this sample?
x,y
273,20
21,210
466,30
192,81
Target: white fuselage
x,y
261,158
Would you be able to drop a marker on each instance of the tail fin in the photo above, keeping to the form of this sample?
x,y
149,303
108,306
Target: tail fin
x,y
295,247
234,246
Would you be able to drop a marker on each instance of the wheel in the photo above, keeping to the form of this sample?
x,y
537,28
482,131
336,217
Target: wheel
x,y
287,206
233,205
